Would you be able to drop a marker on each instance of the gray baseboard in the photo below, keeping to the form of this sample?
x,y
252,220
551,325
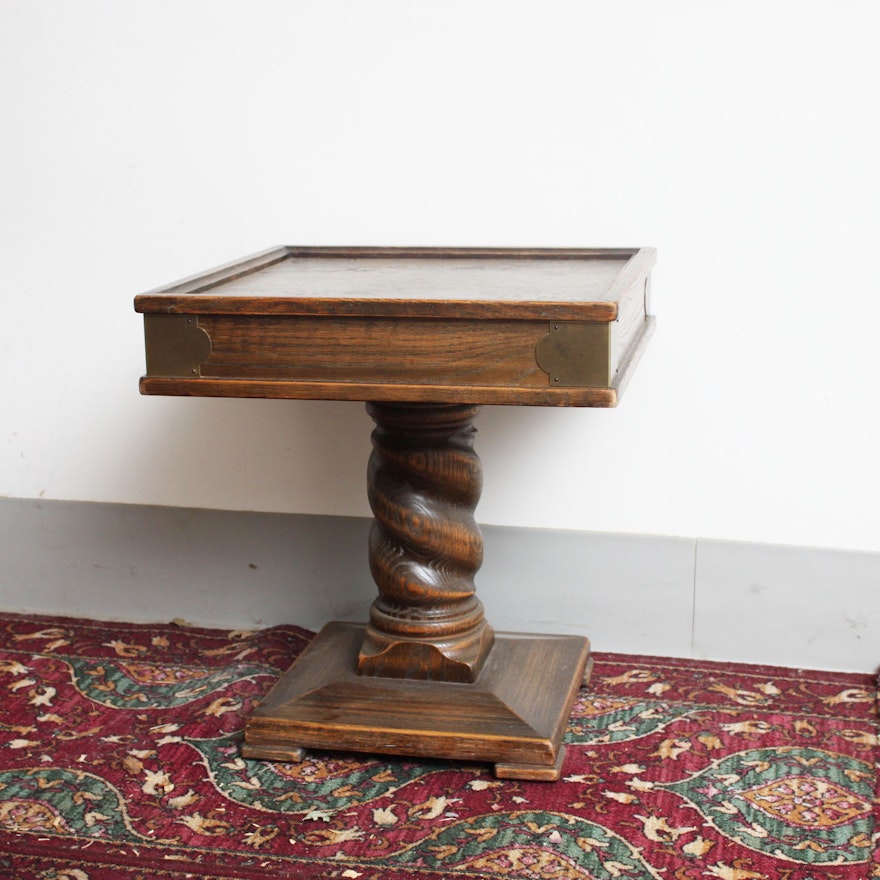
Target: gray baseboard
x,y
684,597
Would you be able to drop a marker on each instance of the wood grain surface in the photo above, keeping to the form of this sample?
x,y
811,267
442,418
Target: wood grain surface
x,y
409,324
543,284
423,483
513,716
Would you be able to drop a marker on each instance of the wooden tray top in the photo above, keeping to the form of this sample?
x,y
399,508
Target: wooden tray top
x,y
512,326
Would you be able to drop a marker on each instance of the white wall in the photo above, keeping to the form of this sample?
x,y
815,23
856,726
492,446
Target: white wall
x,y
146,141
804,607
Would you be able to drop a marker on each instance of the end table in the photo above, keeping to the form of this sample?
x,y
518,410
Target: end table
x,y
424,336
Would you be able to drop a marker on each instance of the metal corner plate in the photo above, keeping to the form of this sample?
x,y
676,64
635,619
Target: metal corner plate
x,y
576,354
176,346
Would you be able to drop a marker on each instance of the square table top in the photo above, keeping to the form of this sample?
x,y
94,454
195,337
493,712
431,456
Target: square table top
x,y
405,323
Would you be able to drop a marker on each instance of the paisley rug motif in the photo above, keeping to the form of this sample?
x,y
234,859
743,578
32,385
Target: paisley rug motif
x,y
119,760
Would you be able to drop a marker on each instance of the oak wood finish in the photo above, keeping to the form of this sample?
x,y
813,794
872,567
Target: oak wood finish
x,y
425,336
578,284
423,482
512,716
417,325
386,391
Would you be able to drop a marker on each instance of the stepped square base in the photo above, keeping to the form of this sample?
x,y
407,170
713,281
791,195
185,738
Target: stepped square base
x,y
514,716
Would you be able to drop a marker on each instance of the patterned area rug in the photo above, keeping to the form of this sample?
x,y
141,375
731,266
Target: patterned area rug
x,y
119,761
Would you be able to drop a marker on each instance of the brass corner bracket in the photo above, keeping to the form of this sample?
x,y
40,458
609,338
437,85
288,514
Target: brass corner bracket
x,y
176,346
576,353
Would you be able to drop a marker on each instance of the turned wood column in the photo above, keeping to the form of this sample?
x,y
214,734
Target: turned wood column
x,y
424,481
